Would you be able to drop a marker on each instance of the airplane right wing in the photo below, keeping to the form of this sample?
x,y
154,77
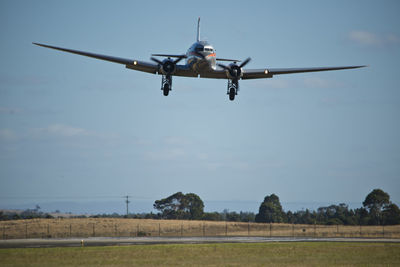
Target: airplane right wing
x,y
269,73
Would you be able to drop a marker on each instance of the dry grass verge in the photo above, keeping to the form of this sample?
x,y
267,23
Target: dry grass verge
x,y
118,227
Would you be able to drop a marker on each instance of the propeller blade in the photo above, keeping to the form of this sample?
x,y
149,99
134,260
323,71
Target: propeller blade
x,y
156,60
223,66
179,59
245,62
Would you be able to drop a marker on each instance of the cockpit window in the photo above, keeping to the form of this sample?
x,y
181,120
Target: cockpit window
x,y
208,49
199,49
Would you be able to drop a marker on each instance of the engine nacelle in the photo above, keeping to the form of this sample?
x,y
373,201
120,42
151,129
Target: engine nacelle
x,y
234,72
168,67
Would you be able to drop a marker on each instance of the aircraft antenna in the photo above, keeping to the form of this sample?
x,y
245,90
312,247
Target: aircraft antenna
x,y
198,30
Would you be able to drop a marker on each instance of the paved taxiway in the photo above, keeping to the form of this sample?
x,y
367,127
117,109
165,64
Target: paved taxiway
x,y
123,241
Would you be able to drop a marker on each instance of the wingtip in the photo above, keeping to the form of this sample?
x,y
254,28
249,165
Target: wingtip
x,y
361,66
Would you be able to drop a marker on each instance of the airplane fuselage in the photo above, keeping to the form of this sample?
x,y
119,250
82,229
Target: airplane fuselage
x,y
201,57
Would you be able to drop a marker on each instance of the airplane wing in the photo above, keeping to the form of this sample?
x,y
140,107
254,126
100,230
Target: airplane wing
x,y
129,63
181,70
268,73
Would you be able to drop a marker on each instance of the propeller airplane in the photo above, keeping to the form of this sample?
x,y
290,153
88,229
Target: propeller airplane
x,y
201,61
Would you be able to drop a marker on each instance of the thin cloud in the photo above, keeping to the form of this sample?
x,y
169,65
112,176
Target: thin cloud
x,y
372,39
61,130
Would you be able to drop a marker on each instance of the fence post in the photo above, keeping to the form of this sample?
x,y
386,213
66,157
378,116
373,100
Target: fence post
x,y
137,230
383,230
360,231
248,229
4,232
159,229
26,230
337,229
182,229
226,228
48,230
115,230
204,229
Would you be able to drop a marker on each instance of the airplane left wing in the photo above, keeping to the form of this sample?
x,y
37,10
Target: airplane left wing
x,y
129,63
268,73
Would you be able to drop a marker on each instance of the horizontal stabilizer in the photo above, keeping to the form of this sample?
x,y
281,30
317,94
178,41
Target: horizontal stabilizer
x,y
225,59
166,55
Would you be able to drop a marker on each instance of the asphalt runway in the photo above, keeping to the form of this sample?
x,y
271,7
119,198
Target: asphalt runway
x,y
125,241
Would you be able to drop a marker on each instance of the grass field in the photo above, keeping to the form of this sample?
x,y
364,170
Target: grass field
x,y
119,227
254,254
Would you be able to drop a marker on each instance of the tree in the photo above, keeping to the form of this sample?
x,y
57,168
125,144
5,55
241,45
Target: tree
x,y
375,202
391,214
194,206
362,216
270,210
212,216
180,206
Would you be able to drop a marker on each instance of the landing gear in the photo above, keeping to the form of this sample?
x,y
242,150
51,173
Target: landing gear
x,y
233,88
166,89
166,84
232,94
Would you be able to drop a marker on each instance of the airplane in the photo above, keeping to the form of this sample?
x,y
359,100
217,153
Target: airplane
x,y
201,61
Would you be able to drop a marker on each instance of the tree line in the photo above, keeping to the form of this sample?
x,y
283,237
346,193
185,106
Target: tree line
x,y
377,209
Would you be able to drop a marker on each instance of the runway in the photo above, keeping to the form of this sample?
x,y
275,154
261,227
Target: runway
x,y
125,241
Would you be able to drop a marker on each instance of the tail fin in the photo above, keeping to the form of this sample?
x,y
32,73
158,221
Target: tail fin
x,y
198,30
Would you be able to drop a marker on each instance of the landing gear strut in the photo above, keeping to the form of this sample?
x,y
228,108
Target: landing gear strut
x,y
233,88
166,84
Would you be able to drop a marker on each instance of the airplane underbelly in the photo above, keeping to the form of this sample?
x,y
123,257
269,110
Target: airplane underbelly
x,y
200,66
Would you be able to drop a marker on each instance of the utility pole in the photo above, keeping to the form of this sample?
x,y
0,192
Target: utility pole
x,y
127,205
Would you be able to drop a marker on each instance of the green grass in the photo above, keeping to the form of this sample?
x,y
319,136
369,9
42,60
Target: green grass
x,y
254,254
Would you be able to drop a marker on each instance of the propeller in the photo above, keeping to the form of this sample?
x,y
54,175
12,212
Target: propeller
x,y
168,66
234,70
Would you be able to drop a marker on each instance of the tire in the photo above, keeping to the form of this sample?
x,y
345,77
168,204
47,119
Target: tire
x,y
232,94
166,89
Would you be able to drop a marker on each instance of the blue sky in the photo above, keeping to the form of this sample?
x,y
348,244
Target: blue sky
x,y
77,127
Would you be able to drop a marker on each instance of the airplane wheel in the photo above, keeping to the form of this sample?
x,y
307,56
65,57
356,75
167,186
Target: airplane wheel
x,y
232,94
166,89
